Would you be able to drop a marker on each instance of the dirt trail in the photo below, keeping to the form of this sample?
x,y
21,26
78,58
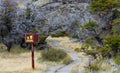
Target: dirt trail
x,y
75,59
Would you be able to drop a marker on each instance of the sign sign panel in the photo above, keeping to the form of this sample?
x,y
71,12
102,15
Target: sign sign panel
x,y
36,38
31,38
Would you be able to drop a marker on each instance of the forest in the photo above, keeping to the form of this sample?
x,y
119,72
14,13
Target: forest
x,y
95,24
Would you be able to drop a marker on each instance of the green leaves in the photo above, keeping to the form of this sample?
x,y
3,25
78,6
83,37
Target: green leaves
x,y
116,22
113,42
10,9
28,13
90,24
104,6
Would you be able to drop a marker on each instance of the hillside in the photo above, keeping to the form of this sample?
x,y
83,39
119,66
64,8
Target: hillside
x,y
68,36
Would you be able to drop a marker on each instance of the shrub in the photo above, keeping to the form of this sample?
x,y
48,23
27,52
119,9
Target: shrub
x,y
96,66
53,54
67,60
92,53
104,6
42,38
104,51
113,42
117,59
78,49
83,48
61,34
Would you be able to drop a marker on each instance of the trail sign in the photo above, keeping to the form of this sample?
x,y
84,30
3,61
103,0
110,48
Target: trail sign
x,y
36,38
32,38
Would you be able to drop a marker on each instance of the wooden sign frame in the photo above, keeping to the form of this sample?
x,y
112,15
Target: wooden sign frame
x,y
32,38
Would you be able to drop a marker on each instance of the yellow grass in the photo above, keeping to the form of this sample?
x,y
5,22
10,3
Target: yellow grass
x,y
105,68
65,41
19,61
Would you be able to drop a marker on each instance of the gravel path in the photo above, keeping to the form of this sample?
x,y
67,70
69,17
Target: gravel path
x,y
72,53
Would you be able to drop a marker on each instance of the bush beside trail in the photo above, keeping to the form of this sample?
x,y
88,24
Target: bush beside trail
x,y
56,55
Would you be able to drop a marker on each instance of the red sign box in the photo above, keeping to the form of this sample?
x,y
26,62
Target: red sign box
x,y
36,38
31,38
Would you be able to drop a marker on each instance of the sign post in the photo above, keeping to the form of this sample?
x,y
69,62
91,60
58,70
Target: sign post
x,y
33,63
32,38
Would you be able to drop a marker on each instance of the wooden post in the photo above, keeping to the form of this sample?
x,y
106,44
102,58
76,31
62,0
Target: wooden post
x,y
32,38
32,50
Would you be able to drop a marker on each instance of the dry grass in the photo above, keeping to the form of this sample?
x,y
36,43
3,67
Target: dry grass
x,y
65,41
105,68
21,3
83,62
19,61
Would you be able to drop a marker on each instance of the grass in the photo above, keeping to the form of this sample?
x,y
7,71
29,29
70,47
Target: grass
x,y
19,50
53,54
18,60
15,52
100,66
94,67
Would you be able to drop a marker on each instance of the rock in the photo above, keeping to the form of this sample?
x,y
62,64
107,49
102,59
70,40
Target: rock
x,y
64,16
2,46
116,69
